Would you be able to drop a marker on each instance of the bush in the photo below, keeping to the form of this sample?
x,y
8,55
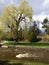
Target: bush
x,y
32,37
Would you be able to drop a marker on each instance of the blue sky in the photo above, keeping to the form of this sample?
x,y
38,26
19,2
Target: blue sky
x,y
40,7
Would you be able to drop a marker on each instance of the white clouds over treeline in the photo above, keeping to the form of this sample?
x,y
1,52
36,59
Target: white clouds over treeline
x,y
40,7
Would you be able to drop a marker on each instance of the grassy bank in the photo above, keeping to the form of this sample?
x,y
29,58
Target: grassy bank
x,y
32,44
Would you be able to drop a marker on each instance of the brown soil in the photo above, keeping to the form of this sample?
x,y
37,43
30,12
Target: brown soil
x,y
40,54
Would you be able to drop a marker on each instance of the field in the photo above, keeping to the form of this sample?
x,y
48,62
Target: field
x,y
39,51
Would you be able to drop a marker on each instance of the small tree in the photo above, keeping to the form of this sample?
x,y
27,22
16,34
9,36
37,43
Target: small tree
x,y
48,30
32,34
45,23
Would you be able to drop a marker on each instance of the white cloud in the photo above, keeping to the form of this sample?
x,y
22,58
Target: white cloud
x,y
11,2
45,2
39,17
2,1
40,7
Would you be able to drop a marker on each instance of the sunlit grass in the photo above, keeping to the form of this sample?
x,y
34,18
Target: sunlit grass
x,y
31,44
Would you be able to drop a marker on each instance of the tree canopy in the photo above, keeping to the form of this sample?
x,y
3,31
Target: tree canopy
x,y
13,15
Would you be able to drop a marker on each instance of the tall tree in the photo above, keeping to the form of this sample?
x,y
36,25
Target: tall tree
x,y
13,15
25,9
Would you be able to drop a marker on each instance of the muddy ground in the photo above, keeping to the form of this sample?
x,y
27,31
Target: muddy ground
x,y
39,54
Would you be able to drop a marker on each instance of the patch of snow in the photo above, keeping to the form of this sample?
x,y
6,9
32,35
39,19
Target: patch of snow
x,y
22,55
27,55
4,46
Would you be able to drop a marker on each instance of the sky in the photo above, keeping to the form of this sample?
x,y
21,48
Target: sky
x,y
40,7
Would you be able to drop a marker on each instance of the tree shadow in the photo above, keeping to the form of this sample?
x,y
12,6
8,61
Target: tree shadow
x,y
7,63
2,62
39,39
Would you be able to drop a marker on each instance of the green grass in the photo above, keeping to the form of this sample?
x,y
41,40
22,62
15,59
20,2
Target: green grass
x,y
26,44
32,44
28,63
20,62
